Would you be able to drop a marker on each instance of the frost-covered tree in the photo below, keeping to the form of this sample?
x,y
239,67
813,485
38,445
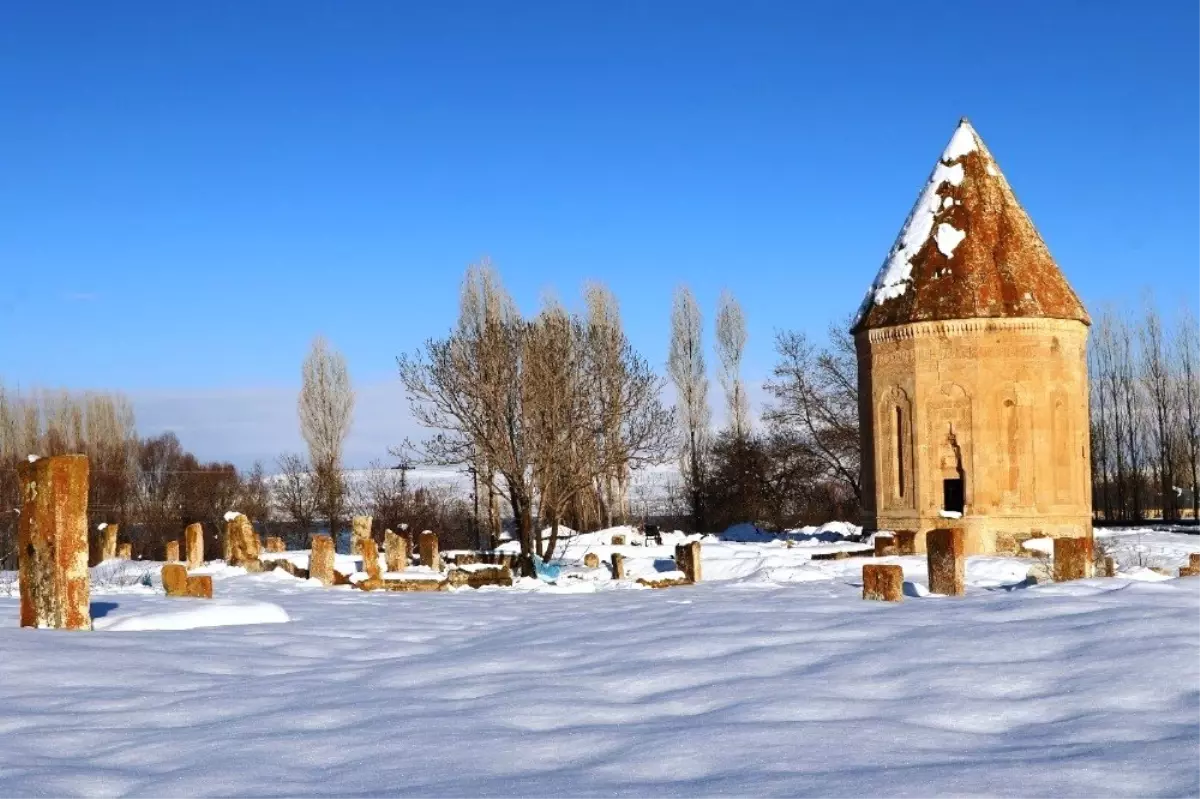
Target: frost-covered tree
x,y
685,365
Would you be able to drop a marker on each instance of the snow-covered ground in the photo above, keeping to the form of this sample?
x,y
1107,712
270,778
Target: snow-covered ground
x,y
770,678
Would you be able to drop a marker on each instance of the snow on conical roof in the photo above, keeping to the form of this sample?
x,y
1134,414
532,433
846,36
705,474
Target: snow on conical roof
x,y
967,250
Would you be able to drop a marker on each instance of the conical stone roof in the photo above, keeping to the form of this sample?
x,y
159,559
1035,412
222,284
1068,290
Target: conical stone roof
x,y
968,250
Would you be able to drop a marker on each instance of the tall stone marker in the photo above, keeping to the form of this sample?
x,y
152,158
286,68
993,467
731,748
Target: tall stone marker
x,y
370,557
172,551
108,541
320,559
883,582
687,560
194,544
946,557
1072,559
243,543
52,537
429,551
395,550
360,530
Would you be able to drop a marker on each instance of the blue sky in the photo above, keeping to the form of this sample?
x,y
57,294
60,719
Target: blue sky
x,y
191,191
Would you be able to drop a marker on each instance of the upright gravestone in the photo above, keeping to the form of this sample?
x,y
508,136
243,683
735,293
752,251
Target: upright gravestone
x,y
947,562
52,539
193,540
883,582
618,566
125,551
429,551
243,543
175,579
687,560
360,530
108,541
320,559
370,557
172,551
275,544
395,551
906,542
1072,559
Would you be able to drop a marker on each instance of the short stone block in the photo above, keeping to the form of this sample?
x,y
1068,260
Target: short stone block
x,y
946,558
199,586
618,540
591,560
125,551
906,542
108,542
429,551
320,560
1194,561
883,582
175,579
275,544
618,566
885,546
1072,559
172,551
52,542
395,551
193,540
1110,567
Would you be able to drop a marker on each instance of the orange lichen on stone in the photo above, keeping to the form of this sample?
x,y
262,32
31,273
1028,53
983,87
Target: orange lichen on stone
x,y
395,551
320,560
1072,559
360,530
243,544
175,579
193,538
883,582
52,541
885,545
687,560
429,551
370,557
172,551
200,586
947,562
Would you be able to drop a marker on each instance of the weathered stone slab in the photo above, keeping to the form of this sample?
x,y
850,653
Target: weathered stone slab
x,y
395,551
175,579
320,560
946,558
906,542
883,582
370,557
429,551
172,551
244,547
360,530
194,544
885,545
591,560
200,586
618,540
1072,559
108,542
477,578
618,566
667,582
687,560
52,539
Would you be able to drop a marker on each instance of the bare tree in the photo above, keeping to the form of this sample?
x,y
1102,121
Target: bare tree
x,y
731,345
816,403
1160,385
295,492
1187,351
326,406
685,365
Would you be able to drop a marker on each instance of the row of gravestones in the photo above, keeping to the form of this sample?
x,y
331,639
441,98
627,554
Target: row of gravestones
x,y
946,561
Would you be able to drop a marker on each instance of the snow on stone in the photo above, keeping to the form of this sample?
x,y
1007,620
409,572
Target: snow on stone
x,y
961,143
948,237
230,515
33,458
102,526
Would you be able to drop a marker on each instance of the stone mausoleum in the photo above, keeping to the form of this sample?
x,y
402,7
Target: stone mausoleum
x,y
972,370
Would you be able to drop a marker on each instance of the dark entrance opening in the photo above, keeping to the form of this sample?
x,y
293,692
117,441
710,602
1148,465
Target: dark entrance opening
x,y
953,495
